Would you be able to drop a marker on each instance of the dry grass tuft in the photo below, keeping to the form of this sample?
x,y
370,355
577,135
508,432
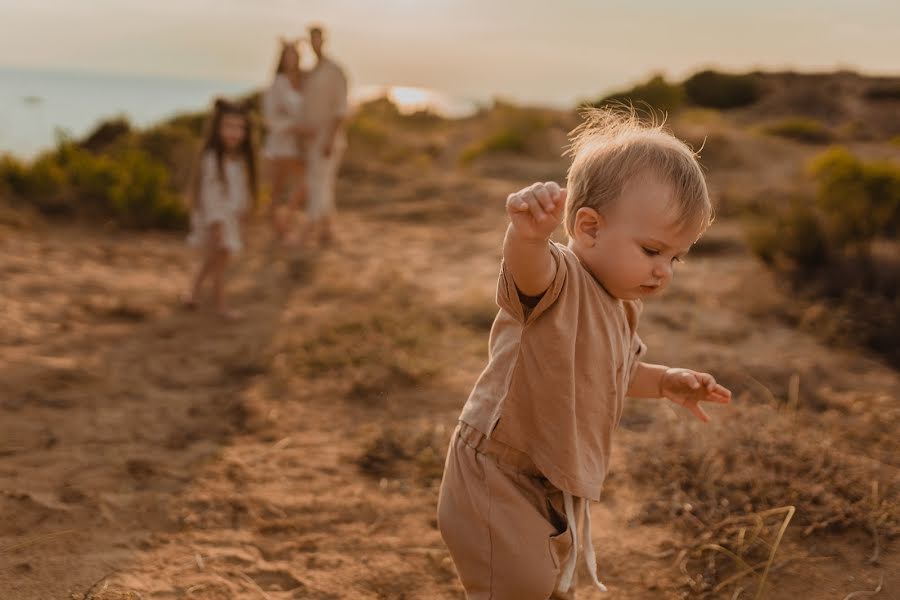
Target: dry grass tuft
x,y
415,454
735,488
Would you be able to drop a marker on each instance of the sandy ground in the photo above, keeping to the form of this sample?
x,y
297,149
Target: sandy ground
x,y
149,452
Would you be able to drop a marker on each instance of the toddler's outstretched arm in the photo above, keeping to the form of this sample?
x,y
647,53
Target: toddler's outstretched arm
x,y
682,386
534,213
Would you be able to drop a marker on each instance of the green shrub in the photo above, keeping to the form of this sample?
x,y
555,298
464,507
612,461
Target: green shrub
x,y
518,130
795,237
42,183
141,196
14,175
194,122
130,188
506,140
800,129
175,147
722,90
859,200
368,129
106,134
656,93
841,247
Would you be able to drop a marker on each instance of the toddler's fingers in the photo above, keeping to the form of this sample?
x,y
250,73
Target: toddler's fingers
x,y
699,413
515,203
722,394
717,398
553,189
534,205
543,197
692,380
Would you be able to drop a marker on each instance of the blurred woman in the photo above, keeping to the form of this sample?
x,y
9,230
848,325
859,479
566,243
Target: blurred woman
x,y
223,195
284,150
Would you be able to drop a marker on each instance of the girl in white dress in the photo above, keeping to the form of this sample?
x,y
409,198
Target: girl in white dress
x,y
284,149
223,195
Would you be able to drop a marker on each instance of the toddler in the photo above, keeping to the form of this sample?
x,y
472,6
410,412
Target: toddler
x,y
532,447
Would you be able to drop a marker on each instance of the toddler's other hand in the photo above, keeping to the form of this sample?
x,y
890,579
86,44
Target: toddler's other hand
x,y
536,211
688,388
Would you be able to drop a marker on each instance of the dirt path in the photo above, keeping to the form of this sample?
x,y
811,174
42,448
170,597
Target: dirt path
x,y
147,452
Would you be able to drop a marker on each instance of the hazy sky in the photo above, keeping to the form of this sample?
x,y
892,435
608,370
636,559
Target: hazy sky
x,y
532,50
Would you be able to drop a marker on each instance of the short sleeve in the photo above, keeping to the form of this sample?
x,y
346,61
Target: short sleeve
x,y
508,297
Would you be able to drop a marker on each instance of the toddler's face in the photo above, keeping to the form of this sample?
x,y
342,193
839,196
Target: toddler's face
x,y
232,129
633,249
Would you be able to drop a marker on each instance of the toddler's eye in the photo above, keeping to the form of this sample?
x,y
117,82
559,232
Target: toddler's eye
x,y
649,251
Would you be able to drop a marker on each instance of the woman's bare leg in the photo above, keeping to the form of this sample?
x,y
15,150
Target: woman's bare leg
x,y
297,201
279,180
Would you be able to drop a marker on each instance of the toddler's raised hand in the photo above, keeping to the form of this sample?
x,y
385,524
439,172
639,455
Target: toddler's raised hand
x,y
537,210
688,388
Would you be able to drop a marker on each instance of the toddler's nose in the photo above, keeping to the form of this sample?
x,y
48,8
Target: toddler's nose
x,y
663,272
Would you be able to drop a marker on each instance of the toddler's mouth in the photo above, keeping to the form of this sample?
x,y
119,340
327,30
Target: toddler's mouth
x,y
649,289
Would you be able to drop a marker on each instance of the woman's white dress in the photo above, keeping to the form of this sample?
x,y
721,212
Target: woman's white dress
x,y
221,201
282,107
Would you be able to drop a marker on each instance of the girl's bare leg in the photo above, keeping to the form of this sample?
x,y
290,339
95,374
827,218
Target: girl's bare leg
x,y
218,279
207,266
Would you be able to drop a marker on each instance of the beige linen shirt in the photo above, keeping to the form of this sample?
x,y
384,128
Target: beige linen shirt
x,y
325,96
555,382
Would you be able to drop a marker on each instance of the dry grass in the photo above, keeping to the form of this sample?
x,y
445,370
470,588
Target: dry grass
x,y
375,343
415,454
735,488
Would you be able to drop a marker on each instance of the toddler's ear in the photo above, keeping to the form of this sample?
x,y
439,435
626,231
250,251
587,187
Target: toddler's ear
x,y
589,222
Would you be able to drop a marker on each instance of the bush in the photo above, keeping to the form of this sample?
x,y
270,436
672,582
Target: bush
x,y
795,238
859,201
42,183
887,91
518,131
141,196
800,129
130,188
712,89
106,134
841,247
368,129
175,147
656,93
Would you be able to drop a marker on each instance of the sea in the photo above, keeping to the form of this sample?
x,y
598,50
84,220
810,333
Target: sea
x,y
38,106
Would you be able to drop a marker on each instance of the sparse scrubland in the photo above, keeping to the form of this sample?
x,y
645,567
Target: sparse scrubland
x,y
147,452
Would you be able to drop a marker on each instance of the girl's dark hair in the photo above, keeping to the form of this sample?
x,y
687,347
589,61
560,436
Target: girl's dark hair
x,y
213,143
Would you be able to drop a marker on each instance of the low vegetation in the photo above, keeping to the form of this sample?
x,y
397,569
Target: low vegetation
x,y
841,246
800,129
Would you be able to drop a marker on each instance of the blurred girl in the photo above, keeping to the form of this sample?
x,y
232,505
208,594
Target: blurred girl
x,y
284,148
224,193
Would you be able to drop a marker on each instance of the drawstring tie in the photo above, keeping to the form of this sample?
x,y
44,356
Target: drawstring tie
x,y
590,558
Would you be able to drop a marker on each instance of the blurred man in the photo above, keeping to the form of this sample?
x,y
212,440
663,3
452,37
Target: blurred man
x,y
326,113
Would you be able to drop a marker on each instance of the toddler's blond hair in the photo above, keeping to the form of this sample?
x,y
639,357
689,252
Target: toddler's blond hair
x,y
613,145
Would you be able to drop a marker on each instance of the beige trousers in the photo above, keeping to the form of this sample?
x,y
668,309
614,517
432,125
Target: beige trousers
x,y
504,524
